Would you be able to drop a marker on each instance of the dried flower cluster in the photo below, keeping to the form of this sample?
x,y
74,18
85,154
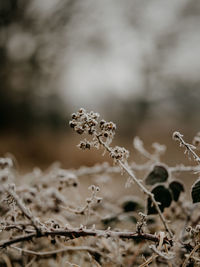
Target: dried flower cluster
x,y
102,133
83,122
119,153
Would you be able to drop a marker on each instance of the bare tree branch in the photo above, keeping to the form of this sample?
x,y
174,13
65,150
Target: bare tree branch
x,y
76,233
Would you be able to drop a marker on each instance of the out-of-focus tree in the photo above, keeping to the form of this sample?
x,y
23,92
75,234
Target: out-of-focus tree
x,y
147,52
31,45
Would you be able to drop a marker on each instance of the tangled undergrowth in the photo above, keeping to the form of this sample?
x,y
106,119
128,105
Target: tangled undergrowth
x,y
47,219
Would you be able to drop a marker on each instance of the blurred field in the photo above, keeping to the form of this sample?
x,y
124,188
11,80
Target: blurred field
x,y
135,63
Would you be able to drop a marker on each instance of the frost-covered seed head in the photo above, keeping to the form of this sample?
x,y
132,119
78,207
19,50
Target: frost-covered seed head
x,y
83,122
176,135
6,163
97,189
119,153
99,199
84,145
92,187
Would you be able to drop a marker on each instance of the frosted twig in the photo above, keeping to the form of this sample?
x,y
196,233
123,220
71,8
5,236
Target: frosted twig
x,y
35,221
190,148
106,168
17,225
183,168
161,254
54,252
190,255
168,262
148,261
7,260
77,233
31,261
89,202
138,145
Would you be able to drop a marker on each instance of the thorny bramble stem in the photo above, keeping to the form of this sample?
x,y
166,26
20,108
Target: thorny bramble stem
x,y
77,233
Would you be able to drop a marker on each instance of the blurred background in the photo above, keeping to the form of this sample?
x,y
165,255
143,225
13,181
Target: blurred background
x,y
135,62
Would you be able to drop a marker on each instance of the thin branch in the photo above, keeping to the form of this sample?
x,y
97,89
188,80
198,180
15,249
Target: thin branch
x,y
7,260
17,225
8,242
148,261
138,145
72,264
54,252
31,261
106,168
190,148
161,254
168,262
190,255
35,222
74,211
76,233
183,168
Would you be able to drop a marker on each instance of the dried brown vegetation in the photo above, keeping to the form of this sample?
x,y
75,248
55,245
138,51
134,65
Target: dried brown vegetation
x,y
49,219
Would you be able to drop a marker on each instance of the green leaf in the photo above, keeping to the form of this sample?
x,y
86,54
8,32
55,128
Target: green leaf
x,y
163,196
158,175
196,191
176,189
